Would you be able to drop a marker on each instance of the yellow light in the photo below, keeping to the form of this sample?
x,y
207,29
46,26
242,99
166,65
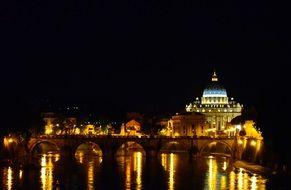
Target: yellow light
x,y
164,161
138,161
240,141
253,143
238,127
127,175
232,180
9,178
80,157
212,173
240,179
245,181
171,174
46,172
259,146
224,166
7,141
90,185
254,182
57,157
20,174
223,182
168,161
48,131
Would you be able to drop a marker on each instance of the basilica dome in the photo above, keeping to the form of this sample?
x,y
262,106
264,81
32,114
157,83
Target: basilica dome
x,y
214,89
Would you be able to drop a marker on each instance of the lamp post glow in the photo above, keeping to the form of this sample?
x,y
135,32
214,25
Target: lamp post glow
x,y
8,141
253,143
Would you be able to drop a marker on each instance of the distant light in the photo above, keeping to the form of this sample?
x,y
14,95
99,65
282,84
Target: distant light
x,y
253,143
20,174
224,166
238,127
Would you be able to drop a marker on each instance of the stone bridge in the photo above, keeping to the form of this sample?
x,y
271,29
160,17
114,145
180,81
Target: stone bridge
x,y
67,145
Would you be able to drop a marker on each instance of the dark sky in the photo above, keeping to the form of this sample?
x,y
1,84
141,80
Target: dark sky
x,y
138,55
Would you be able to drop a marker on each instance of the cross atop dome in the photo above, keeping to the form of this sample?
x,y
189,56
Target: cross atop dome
x,y
214,77
214,89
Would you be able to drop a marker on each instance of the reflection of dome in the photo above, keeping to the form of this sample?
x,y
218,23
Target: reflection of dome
x,y
214,89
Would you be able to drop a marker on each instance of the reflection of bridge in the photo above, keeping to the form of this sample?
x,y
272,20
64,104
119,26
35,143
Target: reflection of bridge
x,y
109,145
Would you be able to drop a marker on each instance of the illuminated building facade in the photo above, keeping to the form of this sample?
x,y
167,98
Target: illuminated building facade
x,y
218,108
132,127
251,130
187,124
49,119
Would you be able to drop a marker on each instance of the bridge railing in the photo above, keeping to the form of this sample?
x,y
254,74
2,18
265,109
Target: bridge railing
x,y
128,137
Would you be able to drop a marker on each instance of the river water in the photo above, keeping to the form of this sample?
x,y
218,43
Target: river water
x,y
131,171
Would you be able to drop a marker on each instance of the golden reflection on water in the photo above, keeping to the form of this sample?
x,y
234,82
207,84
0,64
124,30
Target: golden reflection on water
x,y
212,173
20,174
90,184
217,178
246,180
240,179
137,158
46,171
132,167
127,174
219,173
254,182
92,159
8,177
223,182
80,157
232,180
169,162
86,154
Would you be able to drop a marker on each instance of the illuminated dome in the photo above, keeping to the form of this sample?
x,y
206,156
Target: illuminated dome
x,y
214,89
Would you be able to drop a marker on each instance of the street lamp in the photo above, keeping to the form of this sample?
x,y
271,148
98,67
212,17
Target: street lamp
x,y
8,141
253,143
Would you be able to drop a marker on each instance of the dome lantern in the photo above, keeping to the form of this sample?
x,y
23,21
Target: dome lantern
x,y
214,89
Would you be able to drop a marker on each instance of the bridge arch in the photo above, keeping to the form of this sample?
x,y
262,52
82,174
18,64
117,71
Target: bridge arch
x,y
174,146
46,143
216,147
86,148
125,147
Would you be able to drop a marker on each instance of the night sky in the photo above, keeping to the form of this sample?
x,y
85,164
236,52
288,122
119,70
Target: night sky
x,y
145,56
